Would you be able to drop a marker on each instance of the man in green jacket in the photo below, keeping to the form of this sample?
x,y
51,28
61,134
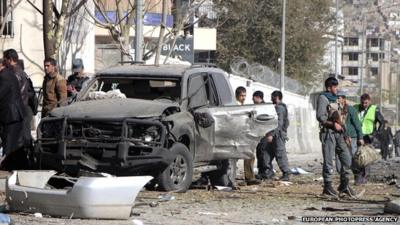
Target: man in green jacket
x,y
353,132
369,116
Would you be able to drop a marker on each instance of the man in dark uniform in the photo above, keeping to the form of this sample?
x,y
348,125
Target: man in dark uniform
x,y
12,114
77,80
386,139
273,144
332,137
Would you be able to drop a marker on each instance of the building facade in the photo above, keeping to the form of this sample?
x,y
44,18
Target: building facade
x,y
366,66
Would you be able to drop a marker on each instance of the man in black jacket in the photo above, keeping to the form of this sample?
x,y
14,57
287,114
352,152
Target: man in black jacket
x,y
12,114
396,141
11,61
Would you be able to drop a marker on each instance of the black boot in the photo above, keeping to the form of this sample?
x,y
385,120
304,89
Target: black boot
x,y
285,176
345,188
328,190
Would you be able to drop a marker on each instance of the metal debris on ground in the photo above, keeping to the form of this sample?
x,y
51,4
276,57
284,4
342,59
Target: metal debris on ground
x,y
223,188
391,180
298,171
83,197
38,215
285,183
137,222
153,204
319,179
166,198
213,214
393,206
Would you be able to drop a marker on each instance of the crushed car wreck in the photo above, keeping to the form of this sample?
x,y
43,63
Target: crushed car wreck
x,y
84,197
165,121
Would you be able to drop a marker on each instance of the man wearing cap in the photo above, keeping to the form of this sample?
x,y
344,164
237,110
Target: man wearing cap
x,y
77,80
352,126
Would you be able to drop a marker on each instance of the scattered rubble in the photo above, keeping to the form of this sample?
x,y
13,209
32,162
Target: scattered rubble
x,y
393,206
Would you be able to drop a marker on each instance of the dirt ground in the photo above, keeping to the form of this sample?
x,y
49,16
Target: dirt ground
x,y
268,203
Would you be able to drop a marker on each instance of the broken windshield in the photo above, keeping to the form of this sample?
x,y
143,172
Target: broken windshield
x,y
140,88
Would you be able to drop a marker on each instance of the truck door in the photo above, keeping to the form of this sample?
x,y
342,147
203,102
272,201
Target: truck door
x,y
238,128
198,105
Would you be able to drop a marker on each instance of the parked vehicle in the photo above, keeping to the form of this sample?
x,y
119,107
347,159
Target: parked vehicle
x,y
165,121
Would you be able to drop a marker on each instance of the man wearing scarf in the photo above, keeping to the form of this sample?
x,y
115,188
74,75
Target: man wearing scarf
x,y
332,136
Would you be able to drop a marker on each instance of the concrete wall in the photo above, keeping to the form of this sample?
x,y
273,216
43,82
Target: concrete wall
x,y
303,131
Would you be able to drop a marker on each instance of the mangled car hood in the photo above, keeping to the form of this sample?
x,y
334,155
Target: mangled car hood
x,y
114,108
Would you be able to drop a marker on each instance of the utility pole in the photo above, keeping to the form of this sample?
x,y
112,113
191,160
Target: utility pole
x,y
336,39
397,95
380,83
283,46
139,31
162,31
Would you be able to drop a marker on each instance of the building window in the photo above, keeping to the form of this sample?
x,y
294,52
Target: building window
x,y
6,19
353,71
374,56
373,71
351,41
353,56
373,42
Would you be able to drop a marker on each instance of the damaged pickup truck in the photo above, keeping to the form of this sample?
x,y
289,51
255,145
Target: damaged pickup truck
x,y
168,122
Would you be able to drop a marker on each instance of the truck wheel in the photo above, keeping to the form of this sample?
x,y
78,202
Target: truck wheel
x,y
178,175
225,175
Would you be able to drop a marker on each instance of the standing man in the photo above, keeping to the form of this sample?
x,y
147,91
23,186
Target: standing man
x,y
248,164
396,141
386,140
54,87
369,116
352,125
264,151
76,81
12,115
279,135
333,140
12,62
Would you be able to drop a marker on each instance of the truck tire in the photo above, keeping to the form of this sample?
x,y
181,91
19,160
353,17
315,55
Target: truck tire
x,y
225,175
178,175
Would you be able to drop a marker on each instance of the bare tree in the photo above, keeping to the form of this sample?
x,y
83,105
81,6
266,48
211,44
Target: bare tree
x,y
54,19
120,26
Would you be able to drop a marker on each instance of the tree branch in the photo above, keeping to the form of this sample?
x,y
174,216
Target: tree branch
x,y
33,5
74,10
55,10
101,10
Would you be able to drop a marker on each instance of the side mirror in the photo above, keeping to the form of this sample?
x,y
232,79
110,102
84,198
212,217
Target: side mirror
x,y
203,119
